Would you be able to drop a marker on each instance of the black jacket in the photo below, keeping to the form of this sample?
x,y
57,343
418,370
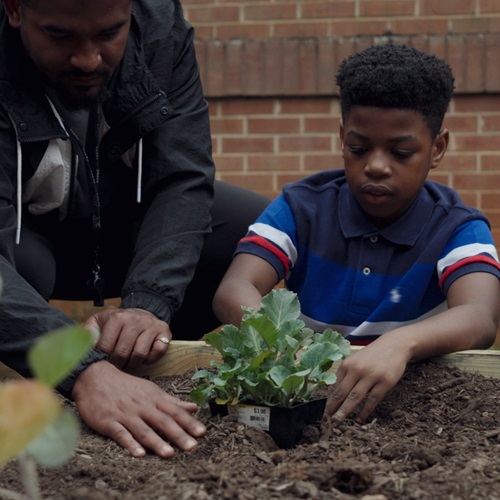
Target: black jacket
x,y
154,95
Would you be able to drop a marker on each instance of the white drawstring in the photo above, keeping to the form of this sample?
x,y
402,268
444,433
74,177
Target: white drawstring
x,y
19,191
139,170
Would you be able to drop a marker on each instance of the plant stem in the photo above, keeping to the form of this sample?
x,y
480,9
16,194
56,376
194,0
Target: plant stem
x,y
29,476
11,495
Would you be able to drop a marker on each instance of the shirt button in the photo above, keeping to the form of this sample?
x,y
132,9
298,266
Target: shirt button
x,y
366,271
374,239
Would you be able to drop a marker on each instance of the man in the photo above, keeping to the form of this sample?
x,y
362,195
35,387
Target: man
x,y
106,190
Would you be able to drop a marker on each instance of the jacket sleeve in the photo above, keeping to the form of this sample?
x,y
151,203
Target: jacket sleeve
x,y
24,315
178,185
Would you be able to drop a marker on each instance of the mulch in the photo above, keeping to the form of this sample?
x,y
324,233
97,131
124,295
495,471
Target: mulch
x,y
435,436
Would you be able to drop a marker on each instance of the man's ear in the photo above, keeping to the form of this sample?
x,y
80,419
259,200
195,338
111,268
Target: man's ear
x,y
13,11
439,147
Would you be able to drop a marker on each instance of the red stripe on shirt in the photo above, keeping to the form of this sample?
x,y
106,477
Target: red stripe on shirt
x,y
259,240
463,262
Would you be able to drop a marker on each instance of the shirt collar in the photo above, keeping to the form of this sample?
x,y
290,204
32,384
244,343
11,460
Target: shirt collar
x,y
404,231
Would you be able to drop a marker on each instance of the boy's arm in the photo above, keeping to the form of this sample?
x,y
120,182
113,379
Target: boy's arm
x,y
246,281
470,322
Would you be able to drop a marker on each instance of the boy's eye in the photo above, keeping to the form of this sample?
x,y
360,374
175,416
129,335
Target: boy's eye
x,y
400,153
357,150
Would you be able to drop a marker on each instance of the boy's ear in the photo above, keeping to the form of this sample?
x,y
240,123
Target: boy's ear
x,y
341,135
13,11
439,146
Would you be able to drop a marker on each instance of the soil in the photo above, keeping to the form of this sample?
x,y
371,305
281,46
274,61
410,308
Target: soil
x,y
435,436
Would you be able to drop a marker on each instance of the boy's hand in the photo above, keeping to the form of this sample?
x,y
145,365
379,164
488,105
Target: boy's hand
x,y
135,412
365,377
130,337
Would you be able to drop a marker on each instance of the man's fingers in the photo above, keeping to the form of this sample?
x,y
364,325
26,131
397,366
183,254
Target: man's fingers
x,y
124,438
139,437
158,349
177,424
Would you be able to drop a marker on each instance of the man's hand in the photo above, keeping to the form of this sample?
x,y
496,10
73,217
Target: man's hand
x,y
365,377
130,337
135,412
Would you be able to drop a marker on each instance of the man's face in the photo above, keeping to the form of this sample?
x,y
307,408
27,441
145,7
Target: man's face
x,y
387,156
74,43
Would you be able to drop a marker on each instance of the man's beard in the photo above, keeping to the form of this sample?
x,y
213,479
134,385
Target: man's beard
x,y
75,102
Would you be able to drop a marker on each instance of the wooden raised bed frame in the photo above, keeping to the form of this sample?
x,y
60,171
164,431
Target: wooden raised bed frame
x,y
183,356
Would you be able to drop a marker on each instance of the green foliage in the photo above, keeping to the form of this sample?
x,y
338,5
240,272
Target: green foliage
x,y
33,425
55,355
272,359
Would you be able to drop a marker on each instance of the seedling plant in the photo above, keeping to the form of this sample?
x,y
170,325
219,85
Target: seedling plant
x,y
34,426
273,359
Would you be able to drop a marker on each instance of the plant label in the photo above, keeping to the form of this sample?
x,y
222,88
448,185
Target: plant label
x,y
253,416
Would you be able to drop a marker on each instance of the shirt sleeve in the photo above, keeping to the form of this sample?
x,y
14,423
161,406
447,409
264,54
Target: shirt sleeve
x,y
273,237
471,249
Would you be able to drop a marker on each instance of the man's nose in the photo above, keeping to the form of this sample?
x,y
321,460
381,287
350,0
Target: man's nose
x,y
87,57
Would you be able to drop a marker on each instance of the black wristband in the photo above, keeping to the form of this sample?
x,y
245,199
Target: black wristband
x,y
66,386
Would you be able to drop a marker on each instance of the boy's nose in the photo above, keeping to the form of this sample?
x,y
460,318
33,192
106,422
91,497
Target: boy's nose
x,y
377,164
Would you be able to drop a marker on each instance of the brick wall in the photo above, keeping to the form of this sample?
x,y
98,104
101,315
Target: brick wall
x,y
268,71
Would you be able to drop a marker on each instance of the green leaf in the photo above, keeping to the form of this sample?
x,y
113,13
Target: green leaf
x,y
257,361
292,384
201,395
335,338
232,345
214,339
55,355
257,329
315,354
27,407
278,374
55,445
281,305
200,374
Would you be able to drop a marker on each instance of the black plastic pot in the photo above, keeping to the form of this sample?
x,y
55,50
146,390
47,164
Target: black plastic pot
x,y
284,425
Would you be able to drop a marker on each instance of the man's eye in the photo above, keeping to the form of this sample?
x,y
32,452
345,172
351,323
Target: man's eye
x,y
57,35
109,35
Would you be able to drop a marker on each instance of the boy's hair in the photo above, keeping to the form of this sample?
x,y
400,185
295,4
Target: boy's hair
x,y
396,76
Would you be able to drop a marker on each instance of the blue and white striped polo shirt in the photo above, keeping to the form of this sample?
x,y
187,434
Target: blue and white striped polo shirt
x,y
360,280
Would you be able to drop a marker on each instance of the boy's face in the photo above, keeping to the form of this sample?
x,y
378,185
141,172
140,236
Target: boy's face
x,y
387,156
75,44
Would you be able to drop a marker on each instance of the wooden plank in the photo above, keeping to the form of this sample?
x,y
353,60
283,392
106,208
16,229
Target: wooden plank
x,y
486,362
184,356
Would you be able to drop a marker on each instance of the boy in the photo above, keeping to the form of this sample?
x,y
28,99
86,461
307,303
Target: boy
x,y
375,251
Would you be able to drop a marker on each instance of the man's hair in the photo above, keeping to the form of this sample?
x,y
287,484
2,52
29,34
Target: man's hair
x,y
396,76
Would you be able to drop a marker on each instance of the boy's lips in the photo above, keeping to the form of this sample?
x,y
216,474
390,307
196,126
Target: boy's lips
x,y
376,190
376,193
